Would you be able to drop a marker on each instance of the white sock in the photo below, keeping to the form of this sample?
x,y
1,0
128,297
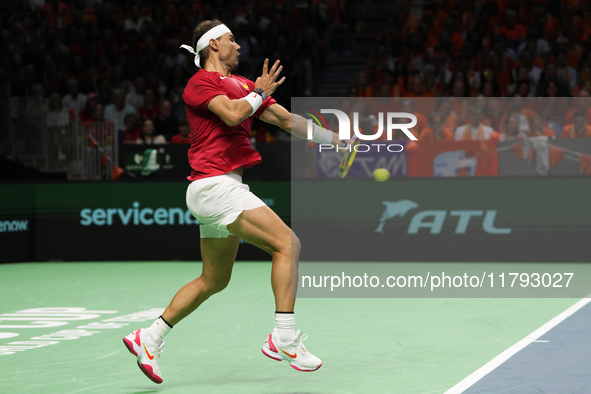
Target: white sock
x,y
158,330
284,327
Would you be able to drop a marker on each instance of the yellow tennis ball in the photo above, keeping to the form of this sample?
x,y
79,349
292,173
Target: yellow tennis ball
x,y
381,175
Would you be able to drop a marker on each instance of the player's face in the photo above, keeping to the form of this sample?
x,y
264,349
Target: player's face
x,y
229,50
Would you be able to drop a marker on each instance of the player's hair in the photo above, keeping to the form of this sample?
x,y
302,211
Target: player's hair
x,y
199,31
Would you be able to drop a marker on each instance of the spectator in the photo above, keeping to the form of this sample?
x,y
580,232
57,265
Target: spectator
x,y
517,108
566,73
135,21
534,72
449,116
98,114
474,130
58,119
57,14
117,111
428,77
183,136
148,136
132,131
135,97
150,109
364,85
539,128
174,57
487,116
518,75
459,102
539,46
408,106
99,130
85,115
436,131
579,128
512,130
553,108
512,31
501,76
165,123
551,74
425,104
74,100
582,103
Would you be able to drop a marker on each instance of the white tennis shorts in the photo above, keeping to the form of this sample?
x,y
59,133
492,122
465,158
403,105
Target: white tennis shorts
x,y
217,201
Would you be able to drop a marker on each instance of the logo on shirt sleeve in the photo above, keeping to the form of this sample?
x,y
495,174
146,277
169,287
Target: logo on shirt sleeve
x,y
245,86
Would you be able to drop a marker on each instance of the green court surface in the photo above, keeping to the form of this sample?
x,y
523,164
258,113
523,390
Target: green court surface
x,y
367,345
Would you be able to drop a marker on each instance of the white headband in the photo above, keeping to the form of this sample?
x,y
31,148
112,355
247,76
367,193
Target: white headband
x,y
203,42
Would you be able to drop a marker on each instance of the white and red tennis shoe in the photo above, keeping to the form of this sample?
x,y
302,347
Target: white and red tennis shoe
x,y
148,352
295,353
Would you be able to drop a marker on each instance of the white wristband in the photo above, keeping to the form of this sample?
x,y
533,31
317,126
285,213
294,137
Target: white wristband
x,y
254,100
322,136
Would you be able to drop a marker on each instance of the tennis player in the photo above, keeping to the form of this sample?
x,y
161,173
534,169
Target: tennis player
x,y
220,110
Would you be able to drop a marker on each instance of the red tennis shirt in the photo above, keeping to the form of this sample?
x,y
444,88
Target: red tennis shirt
x,y
217,148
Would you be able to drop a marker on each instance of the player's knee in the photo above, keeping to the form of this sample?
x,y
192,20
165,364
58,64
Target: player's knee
x,y
296,245
215,285
288,245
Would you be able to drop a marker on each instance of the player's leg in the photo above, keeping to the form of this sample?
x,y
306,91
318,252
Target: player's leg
x,y
263,228
218,256
218,259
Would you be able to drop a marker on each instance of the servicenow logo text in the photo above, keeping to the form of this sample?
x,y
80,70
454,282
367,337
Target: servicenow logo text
x,y
9,226
136,216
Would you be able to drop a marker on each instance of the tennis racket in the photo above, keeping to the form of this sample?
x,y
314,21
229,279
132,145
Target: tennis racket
x,y
348,158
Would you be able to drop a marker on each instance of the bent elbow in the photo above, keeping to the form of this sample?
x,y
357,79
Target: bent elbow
x,y
232,120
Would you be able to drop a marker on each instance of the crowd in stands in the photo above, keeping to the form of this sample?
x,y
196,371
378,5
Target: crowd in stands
x,y
120,62
498,68
524,62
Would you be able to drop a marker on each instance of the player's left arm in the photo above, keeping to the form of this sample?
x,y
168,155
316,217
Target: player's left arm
x,y
294,124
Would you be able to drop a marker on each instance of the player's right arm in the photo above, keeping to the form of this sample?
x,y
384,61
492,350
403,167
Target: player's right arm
x,y
233,112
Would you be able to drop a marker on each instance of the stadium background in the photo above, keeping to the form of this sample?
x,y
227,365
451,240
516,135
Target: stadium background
x,y
78,79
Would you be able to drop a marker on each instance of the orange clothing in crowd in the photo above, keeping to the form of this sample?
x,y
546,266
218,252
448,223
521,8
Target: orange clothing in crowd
x,y
460,107
524,111
60,18
515,33
421,122
451,122
398,91
568,131
568,118
368,91
428,135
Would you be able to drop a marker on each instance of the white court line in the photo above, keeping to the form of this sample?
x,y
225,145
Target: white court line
x,y
501,358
